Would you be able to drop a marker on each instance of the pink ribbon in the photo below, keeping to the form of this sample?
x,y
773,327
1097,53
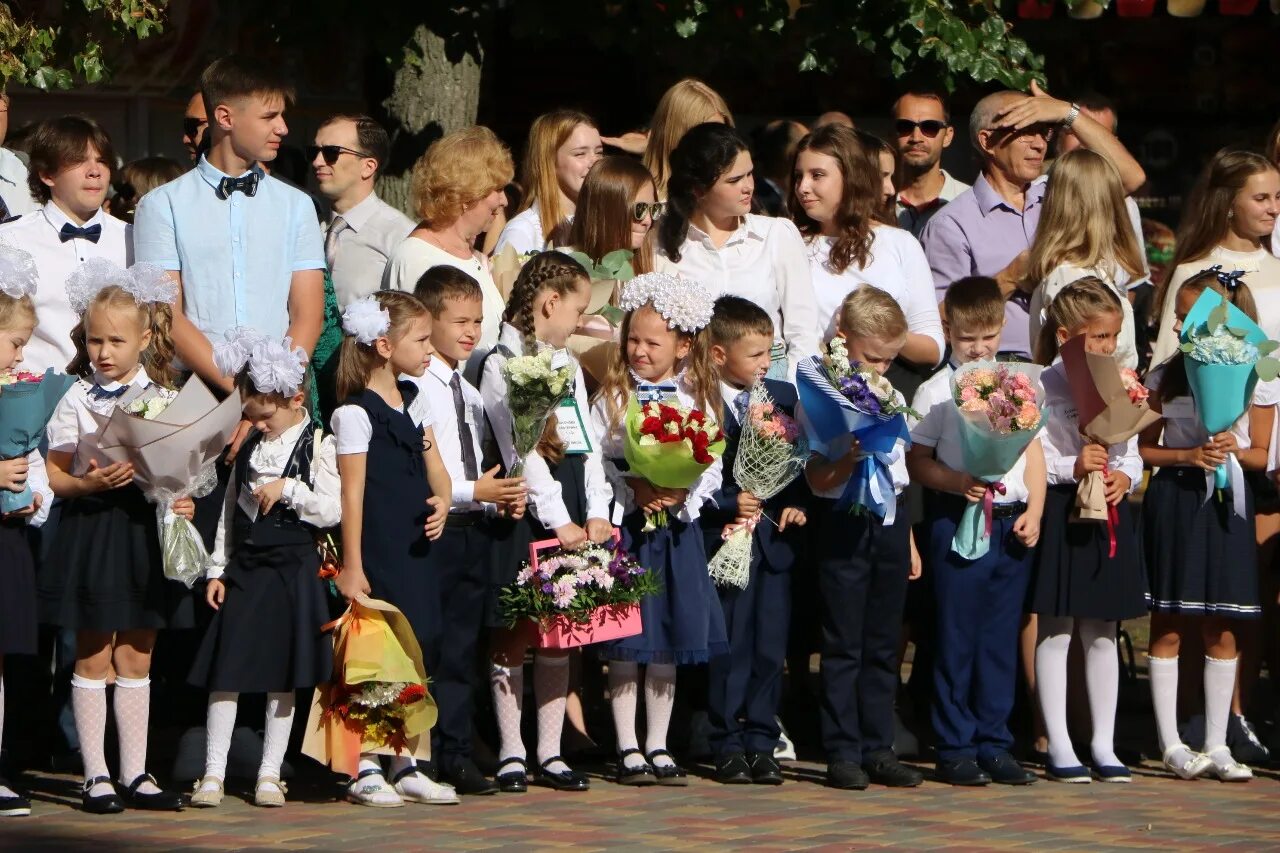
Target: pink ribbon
x,y
749,525
988,501
1113,518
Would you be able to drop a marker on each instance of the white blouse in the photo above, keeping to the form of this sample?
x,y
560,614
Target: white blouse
x,y
897,265
545,498
352,428
319,504
764,261
72,428
1065,274
611,443
1061,437
523,232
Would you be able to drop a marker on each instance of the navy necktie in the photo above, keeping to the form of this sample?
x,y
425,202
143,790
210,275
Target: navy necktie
x,y
247,184
70,232
648,392
100,393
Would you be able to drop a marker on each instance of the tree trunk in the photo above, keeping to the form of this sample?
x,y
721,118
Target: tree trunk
x,y
436,90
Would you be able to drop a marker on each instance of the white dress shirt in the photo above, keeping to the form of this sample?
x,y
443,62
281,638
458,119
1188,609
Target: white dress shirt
x,y
833,450
611,444
433,386
1116,278
319,504
764,261
545,498
371,232
939,428
13,184
523,232
72,428
1061,437
896,265
38,233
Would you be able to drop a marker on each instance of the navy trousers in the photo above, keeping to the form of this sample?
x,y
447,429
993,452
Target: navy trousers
x,y
979,609
863,569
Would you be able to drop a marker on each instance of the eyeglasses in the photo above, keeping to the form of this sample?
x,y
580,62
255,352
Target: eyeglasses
x,y
644,208
191,126
930,127
331,153
1041,129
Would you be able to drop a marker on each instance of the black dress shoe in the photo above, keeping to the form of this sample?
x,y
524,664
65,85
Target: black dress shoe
x,y
962,771
764,769
640,776
104,804
733,769
161,801
564,780
467,779
671,774
887,770
847,776
513,781
1005,769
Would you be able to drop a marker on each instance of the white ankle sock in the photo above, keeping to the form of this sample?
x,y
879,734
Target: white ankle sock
x,y
1219,684
551,689
1051,686
275,739
624,685
1102,673
507,685
89,704
1164,699
220,724
369,761
659,699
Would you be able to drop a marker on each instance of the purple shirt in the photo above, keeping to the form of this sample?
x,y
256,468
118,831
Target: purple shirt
x,y
979,233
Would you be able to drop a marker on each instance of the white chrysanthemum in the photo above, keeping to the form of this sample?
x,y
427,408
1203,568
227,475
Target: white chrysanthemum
x,y
366,320
685,304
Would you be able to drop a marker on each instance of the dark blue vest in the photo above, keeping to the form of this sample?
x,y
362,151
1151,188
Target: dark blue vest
x,y
281,526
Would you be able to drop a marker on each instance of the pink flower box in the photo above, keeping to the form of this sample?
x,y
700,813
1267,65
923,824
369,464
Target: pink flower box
x,y
607,623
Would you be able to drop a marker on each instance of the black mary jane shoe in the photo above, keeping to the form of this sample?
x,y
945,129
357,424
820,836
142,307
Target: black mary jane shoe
x,y
161,801
672,775
103,804
513,781
565,780
638,776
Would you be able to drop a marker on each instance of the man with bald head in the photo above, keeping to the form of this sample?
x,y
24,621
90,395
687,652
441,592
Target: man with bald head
x,y
989,229
833,117
194,122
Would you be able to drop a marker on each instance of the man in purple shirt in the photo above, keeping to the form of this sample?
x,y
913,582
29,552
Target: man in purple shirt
x,y
989,229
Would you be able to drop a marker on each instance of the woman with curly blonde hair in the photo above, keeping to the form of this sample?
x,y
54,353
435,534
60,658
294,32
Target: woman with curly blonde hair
x,y
457,189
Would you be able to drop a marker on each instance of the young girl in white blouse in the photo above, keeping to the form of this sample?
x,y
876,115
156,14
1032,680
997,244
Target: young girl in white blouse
x,y
568,500
1200,550
1076,585
710,234
662,357
263,576
105,580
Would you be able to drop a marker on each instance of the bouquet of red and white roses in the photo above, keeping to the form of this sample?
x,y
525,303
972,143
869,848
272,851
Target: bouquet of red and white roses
x,y
670,445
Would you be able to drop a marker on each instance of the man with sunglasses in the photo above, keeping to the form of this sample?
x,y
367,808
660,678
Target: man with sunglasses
x,y
921,129
988,230
362,230
194,122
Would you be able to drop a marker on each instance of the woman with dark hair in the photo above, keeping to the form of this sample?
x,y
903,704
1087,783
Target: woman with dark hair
x,y
711,236
838,204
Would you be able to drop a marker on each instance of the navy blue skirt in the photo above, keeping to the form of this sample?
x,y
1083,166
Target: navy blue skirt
x,y
17,591
683,622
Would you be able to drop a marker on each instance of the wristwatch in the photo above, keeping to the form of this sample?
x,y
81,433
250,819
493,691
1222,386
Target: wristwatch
x,y
1072,114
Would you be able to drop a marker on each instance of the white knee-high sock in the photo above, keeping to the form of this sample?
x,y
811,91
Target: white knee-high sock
x,y
276,737
219,725
551,688
507,685
4,792
1051,686
624,685
89,704
659,699
132,708
1219,683
1164,699
1102,673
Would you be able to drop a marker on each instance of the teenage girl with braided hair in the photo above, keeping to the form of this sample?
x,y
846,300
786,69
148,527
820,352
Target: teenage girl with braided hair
x,y
568,500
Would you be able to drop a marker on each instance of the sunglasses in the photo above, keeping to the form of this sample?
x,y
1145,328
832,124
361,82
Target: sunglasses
x,y
331,153
644,208
930,127
1041,129
191,126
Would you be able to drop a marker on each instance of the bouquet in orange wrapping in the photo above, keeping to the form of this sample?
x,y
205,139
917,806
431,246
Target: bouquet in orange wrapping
x,y
378,700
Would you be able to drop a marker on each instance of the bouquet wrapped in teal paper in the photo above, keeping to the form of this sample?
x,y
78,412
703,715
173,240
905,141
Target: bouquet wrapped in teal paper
x,y
27,401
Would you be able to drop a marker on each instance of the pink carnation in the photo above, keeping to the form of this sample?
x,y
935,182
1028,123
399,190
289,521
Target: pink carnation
x,y
969,393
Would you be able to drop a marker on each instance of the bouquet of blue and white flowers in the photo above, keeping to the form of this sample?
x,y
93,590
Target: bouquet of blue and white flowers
x,y
536,386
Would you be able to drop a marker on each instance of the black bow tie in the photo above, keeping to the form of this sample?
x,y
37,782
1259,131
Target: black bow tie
x,y
70,232
100,393
247,184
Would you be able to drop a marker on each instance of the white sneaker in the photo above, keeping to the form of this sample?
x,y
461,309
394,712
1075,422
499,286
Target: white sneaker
x,y
370,789
417,787
1225,768
785,750
1192,765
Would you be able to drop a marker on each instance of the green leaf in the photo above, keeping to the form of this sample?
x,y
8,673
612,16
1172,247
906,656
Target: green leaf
x,y
1188,347
1267,368
44,78
582,258
614,262
1218,316
686,28
1267,347
613,314
1237,333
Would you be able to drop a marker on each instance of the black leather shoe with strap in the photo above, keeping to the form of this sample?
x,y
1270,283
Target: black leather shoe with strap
x,y
104,803
639,775
672,774
564,780
160,801
513,781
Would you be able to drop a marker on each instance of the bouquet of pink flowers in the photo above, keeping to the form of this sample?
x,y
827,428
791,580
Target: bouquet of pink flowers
x,y
1000,414
1138,392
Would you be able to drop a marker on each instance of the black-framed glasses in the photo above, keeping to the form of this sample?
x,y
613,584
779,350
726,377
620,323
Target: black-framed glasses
x,y
331,153
930,127
191,126
641,209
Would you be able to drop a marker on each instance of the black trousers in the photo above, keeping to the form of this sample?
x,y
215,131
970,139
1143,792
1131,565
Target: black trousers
x,y
863,569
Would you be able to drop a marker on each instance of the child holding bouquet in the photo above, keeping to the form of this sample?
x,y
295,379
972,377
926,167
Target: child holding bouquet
x,y
1200,552
17,579
978,598
266,636
393,488
663,359
568,501
864,562
745,685
105,579
1079,584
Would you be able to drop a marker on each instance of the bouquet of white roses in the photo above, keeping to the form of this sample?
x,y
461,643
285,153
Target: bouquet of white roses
x,y
536,386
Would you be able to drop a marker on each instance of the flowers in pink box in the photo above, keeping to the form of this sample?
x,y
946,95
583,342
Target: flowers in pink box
x,y
1006,397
